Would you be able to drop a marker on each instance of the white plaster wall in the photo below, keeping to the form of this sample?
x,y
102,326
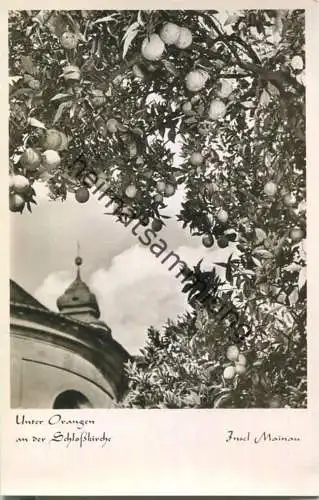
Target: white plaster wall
x,y
40,371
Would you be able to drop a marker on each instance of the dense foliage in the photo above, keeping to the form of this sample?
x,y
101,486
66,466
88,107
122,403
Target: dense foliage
x,y
229,89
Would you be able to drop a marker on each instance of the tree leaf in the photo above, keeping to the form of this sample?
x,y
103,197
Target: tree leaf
x,y
302,279
256,262
264,98
60,110
260,235
221,399
23,91
104,19
171,134
229,274
129,36
59,96
171,68
190,120
27,65
36,123
139,18
294,296
272,89
264,254
187,287
248,104
303,292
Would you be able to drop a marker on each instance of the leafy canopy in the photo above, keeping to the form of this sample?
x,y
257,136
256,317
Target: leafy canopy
x,y
126,113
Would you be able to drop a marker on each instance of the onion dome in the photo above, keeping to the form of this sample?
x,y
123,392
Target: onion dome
x,y
78,300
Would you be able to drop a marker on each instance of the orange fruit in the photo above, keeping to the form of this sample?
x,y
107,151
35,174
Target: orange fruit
x,y
297,63
53,139
137,72
170,33
112,125
187,108
69,40
152,47
222,216
207,240
240,369
242,359
296,234
71,72
232,353
160,186
222,242
196,80
196,159
20,183
82,195
131,191
11,182
158,198
16,203
157,225
217,109
144,220
185,39
229,372
224,90
289,200
51,159
34,84
270,188
169,190
275,401
30,159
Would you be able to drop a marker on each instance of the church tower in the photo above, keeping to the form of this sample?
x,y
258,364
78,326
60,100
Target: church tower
x,y
78,301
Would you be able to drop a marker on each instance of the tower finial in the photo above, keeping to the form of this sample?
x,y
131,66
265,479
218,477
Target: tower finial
x,y
78,300
78,259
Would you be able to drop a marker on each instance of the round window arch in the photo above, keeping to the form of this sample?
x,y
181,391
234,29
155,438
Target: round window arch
x,y
68,400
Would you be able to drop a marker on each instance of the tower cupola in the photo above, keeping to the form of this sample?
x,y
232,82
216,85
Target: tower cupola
x,y
78,301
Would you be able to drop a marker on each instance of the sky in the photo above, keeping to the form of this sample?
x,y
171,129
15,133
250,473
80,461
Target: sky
x,y
133,288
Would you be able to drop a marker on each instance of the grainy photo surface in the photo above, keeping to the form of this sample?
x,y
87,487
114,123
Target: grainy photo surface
x,y
157,193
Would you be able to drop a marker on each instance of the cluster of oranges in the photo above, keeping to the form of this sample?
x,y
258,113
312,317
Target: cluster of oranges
x,y
40,162
220,231
153,47
238,366
195,81
238,361
18,189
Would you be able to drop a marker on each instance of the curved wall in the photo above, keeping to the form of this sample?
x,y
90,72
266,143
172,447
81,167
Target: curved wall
x,y
42,369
